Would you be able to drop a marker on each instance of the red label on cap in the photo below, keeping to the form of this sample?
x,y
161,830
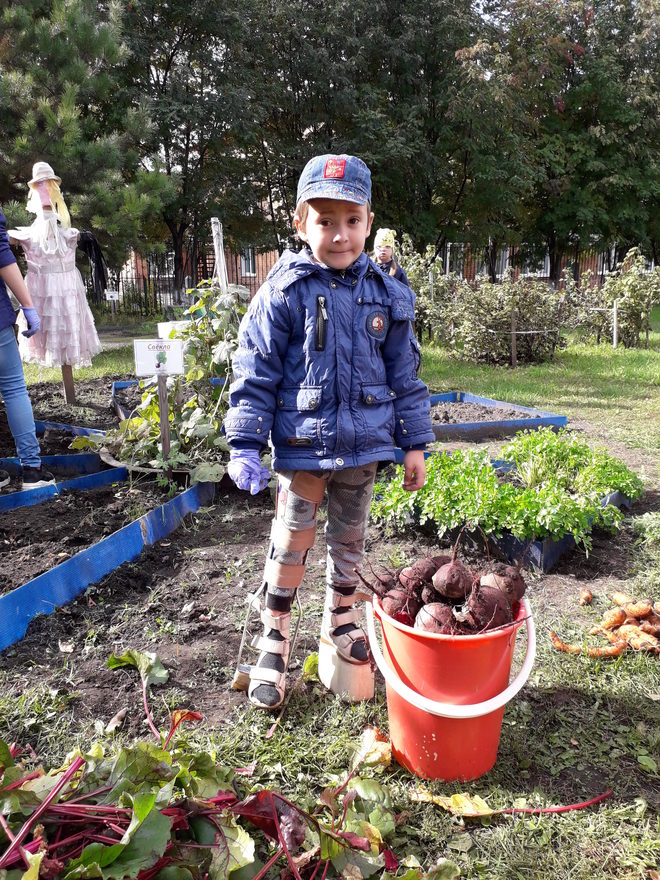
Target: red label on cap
x,y
334,168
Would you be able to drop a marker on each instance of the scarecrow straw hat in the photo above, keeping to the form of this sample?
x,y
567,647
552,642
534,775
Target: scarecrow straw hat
x,y
43,171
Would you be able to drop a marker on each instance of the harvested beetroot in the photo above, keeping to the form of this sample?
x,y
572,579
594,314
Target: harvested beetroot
x,y
440,594
429,594
507,579
418,575
486,608
453,580
436,617
401,605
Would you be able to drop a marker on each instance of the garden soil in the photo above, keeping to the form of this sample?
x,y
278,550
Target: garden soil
x,y
460,412
185,598
37,538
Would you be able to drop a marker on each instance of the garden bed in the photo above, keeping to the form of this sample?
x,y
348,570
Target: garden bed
x,y
93,402
549,491
459,415
35,542
64,580
545,555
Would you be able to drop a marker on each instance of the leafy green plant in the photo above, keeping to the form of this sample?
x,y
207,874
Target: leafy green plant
x,y
197,400
635,290
168,810
474,318
565,483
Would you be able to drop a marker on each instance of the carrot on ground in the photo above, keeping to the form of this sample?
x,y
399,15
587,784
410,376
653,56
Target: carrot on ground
x,y
614,650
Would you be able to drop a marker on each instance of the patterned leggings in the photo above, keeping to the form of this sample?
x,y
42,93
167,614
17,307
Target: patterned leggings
x,y
349,499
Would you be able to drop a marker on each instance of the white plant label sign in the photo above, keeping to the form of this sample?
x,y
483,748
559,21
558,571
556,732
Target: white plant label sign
x,y
158,356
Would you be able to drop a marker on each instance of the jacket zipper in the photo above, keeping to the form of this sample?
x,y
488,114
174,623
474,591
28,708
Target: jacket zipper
x,y
321,323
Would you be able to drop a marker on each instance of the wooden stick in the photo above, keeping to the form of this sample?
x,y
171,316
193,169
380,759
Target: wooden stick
x,y
69,390
164,414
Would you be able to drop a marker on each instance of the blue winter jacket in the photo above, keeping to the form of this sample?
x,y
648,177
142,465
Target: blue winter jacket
x,y
399,274
326,366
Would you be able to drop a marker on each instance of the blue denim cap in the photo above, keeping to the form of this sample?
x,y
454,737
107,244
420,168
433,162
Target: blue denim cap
x,y
335,177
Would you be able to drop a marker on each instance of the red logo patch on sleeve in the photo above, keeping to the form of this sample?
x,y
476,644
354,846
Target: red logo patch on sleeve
x,y
334,168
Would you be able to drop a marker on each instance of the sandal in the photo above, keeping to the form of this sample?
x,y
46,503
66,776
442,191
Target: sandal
x,y
268,675
339,629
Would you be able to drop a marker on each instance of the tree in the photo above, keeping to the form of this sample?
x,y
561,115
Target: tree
x,y
185,72
588,82
60,102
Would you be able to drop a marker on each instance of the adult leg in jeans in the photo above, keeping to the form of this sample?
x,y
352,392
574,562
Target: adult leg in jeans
x,y
17,403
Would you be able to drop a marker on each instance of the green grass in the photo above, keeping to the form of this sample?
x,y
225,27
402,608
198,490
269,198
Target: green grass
x,y
616,390
112,362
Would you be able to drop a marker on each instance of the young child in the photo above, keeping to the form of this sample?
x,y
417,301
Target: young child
x,y
326,367
383,255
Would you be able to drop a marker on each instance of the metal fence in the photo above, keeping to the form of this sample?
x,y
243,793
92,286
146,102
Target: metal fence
x,y
145,285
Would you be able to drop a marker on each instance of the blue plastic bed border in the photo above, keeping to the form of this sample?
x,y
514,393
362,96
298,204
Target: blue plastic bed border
x,y
71,429
61,584
30,497
535,418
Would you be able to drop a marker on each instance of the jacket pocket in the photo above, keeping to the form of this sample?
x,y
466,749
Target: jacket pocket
x,y
297,420
304,399
378,411
375,394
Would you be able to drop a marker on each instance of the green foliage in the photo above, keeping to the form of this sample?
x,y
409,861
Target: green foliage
x,y
515,122
149,807
434,290
475,319
558,487
61,101
634,288
197,400
484,314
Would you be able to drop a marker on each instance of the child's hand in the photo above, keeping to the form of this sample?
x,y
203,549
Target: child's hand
x,y
246,470
414,466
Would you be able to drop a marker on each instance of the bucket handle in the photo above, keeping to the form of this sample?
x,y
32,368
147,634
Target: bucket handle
x,y
454,710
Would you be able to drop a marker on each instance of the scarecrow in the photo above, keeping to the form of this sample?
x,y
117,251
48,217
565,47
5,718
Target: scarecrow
x,y
68,336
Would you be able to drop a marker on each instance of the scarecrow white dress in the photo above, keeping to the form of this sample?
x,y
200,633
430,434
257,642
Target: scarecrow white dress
x,y
68,333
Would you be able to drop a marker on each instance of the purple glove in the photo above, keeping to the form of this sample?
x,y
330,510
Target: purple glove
x,y
246,471
33,322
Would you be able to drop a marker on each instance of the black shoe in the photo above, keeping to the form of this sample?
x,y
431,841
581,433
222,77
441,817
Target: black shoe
x,y
5,479
35,478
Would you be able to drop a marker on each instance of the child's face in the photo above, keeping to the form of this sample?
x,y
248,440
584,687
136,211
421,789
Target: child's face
x,y
335,230
383,254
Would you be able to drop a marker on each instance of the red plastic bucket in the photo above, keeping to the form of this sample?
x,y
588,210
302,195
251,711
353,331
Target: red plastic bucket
x,y
446,694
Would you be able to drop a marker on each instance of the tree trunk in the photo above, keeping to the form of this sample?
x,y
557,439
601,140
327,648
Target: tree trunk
x,y
178,231
556,255
490,258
